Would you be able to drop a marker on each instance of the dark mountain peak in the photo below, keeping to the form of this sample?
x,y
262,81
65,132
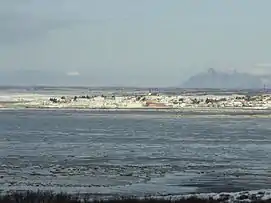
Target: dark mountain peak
x,y
211,71
219,79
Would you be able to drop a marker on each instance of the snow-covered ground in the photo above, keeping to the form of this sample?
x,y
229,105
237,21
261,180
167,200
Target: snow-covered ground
x,y
227,197
137,102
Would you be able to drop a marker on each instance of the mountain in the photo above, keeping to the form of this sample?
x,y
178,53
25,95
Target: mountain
x,y
38,77
218,79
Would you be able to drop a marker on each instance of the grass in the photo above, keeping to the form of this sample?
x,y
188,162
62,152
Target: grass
x,y
49,197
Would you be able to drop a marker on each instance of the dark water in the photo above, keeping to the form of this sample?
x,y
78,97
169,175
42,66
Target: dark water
x,y
110,153
124,90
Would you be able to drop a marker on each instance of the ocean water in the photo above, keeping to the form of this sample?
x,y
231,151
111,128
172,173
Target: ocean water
x,y
108,153
63,91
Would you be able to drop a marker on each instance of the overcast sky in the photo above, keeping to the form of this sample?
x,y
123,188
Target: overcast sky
x,y
135,42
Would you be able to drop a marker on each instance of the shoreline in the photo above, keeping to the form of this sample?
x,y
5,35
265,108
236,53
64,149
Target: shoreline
x,y
145,102
263,195
250,112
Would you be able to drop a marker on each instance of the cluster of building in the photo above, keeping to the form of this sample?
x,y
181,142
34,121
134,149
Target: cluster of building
x,y
150,100
161,101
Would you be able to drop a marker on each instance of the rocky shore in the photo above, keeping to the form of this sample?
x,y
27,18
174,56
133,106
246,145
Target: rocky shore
x,y
50,197
147,101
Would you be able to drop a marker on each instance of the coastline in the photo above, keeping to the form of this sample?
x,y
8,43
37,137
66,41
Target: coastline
x,y
54,197
264,113
179,104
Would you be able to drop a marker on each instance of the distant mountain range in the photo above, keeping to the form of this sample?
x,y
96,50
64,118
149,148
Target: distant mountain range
x,y
219,79
209,79
37,77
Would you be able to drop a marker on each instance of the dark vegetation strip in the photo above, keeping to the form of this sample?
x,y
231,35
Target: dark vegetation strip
x,y
49,197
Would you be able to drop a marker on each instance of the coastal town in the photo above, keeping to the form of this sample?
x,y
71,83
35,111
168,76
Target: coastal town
x,y
145,101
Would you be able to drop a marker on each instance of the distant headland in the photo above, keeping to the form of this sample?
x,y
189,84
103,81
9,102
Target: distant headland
x,y
222,80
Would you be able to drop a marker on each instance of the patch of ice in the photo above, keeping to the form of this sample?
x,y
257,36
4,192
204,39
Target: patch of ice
x,y
227,197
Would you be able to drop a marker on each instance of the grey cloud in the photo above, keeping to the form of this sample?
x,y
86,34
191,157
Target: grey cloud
x,y
22,20
29,20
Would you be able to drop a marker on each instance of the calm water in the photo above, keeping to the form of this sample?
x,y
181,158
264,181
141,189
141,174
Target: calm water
x,y
135,153
62,91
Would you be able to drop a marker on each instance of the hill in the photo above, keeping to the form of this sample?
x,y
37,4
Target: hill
x,y
38,77
218,79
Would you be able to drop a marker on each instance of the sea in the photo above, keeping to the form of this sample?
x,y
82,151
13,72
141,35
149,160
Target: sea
x,y
131,152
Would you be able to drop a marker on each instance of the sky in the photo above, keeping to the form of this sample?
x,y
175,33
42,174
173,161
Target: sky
x,y
135,42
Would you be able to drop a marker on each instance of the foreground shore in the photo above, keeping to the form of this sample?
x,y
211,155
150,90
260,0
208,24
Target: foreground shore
x,y
50,197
